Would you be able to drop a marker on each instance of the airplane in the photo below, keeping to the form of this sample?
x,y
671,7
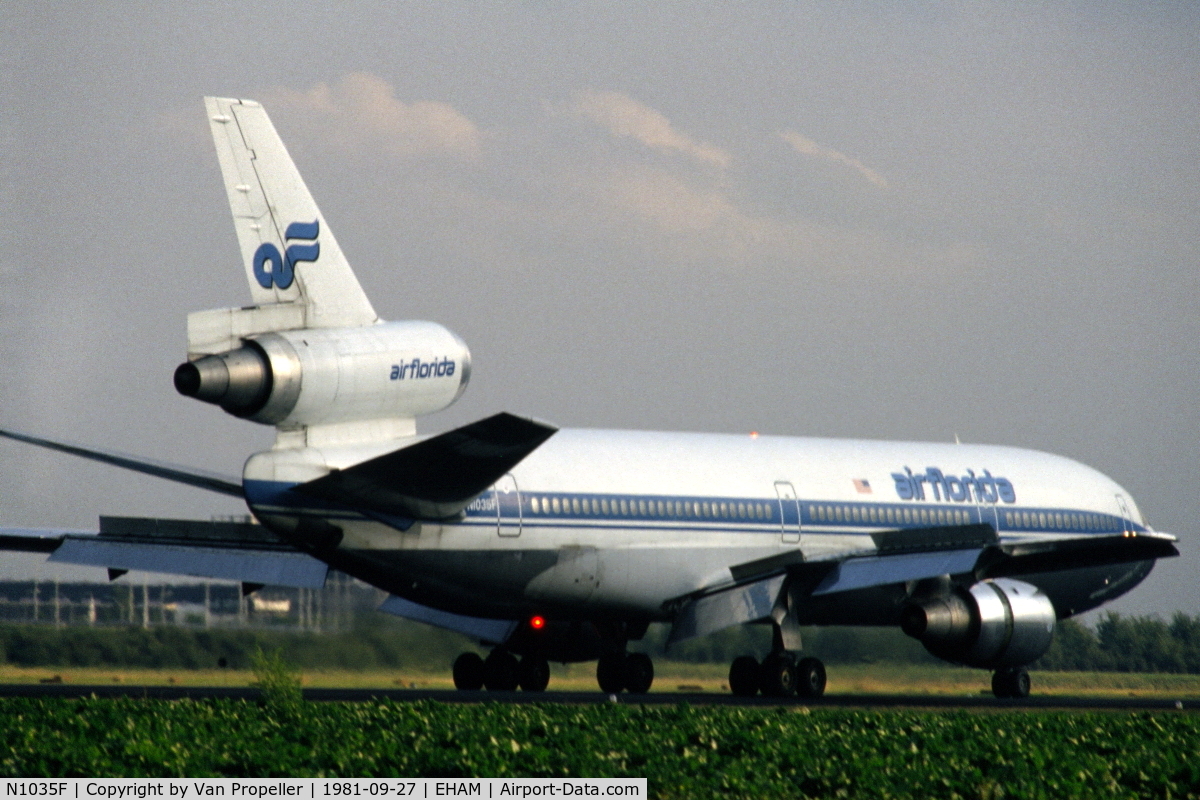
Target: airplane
x,y
564,545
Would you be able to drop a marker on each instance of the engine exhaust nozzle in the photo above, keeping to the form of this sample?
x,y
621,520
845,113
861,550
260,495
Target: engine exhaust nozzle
x,y
239,381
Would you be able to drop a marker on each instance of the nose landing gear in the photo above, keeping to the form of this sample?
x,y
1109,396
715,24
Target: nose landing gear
x,y
1011,683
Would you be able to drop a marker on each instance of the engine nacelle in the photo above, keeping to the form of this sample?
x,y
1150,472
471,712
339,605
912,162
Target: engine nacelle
x,y
995,623
327,375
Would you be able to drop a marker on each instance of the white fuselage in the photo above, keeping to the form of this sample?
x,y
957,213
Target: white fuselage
x,y
598,522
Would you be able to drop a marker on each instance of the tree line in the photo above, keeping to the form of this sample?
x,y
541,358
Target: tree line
x,y
375,641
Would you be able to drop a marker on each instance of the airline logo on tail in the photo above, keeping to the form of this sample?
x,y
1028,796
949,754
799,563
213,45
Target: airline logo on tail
x,y
271,268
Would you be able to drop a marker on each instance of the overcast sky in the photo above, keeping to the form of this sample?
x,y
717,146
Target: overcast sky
x,y
886,220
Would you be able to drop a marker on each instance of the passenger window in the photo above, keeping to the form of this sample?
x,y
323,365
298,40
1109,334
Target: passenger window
x,y
533,504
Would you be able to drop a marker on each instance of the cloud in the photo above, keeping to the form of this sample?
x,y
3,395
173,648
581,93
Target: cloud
x,y
361,111
808,147
624,116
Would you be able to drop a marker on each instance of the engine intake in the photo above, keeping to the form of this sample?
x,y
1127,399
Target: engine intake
x,y
992,624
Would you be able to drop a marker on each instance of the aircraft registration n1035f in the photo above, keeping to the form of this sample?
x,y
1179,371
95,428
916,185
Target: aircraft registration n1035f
x,y
564,545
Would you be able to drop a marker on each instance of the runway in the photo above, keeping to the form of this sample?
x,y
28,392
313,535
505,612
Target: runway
x,y
961,702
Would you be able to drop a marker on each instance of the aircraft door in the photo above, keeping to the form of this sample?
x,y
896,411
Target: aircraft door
x,y
1126,517
508,506
789,512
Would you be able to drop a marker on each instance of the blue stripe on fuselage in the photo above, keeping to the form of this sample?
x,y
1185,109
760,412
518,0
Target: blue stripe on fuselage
x,y
731,514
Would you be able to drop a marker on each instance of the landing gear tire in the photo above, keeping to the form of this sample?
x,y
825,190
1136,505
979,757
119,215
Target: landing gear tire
x,y
610,673
501,672
777,675
810,677
743,676
1011,683
639,673
533,674
468,672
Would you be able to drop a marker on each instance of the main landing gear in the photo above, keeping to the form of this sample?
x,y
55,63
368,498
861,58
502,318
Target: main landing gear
x,y
632,672
779,675
501,672
1011,683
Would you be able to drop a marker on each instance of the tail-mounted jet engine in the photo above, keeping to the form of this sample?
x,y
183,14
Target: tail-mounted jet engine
x,y
321,376
993,624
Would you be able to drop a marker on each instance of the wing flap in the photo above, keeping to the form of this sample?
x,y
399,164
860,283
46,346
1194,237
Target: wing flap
x,y
256,567
33,540
438,477
492,631
749,602
861,573
236,551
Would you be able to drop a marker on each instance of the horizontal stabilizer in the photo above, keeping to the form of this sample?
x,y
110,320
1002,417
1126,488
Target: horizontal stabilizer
x,y
438,477
490,631
201,479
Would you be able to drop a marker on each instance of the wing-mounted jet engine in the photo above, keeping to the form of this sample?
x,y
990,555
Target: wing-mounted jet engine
x,y
1000,624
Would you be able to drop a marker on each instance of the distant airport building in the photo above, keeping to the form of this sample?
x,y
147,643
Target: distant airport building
x,y
203,604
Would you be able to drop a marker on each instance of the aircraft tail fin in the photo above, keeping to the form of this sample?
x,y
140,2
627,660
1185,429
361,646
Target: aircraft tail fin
x,y
292,260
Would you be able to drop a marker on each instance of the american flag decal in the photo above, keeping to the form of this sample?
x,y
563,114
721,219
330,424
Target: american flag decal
x,y
862,485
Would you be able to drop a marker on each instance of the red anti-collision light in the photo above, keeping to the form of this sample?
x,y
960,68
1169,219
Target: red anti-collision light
x,y
537,623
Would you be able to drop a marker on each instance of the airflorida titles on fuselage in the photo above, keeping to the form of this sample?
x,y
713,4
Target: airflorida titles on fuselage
x,y
565,545
966,489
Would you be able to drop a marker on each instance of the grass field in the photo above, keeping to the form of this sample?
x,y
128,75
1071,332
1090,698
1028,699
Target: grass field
x,y
670,677
683,751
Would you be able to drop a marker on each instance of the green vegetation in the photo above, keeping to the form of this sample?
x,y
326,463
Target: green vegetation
x,y
375,641
683,751
1127,644
280,686
1118,644
379,642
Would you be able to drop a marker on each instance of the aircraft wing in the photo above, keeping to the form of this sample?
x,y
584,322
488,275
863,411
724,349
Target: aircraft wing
x,y
236,551
201,479
759,587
